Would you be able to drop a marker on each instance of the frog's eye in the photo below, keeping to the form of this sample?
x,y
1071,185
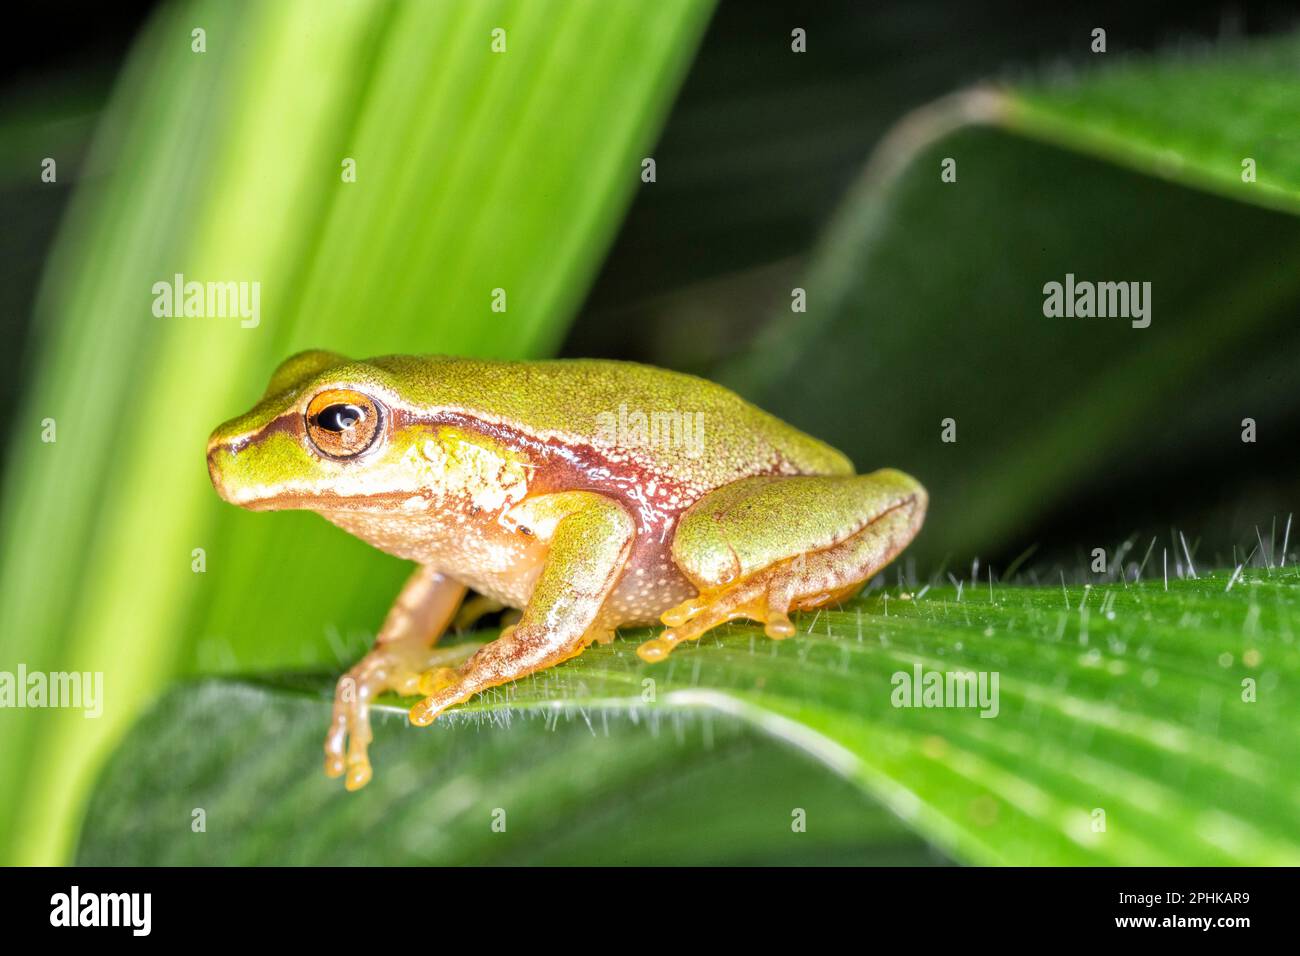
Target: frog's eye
x,y
342,423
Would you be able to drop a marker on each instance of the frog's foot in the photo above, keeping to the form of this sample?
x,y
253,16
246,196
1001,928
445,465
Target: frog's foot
x,y
398,666
761,547
764,597
519,651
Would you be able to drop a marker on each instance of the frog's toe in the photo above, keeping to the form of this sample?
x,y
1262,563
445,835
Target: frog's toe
x,y
400,666
693,618
335,741
348,740
778,625
441,687
358,769
426,711
679,615
436,679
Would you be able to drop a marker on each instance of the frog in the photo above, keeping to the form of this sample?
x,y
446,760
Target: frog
x,y
587,494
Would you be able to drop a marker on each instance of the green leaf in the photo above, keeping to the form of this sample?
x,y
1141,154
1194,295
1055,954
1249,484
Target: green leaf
x,y
1136,723
475,171
1190,116
925,303
579,786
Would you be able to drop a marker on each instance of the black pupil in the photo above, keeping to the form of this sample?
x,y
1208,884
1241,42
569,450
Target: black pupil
x,y
336,418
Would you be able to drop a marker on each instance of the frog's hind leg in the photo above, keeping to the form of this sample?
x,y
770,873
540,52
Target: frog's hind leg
x,y
762,547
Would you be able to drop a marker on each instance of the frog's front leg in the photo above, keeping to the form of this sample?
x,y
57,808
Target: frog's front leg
x,y
590,537
761,547
400,655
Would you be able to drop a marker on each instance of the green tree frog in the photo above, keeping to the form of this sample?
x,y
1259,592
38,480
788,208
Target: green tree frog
x,y
590,494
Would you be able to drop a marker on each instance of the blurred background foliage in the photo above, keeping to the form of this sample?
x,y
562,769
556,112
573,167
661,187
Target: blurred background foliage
x,y
478,171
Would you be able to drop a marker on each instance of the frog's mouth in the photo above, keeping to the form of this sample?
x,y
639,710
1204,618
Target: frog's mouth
x,y
260,470
254,497
236,481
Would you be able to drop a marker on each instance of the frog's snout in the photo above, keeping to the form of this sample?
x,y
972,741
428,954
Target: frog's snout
x,y
226,478
221,457
237,469
215,449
